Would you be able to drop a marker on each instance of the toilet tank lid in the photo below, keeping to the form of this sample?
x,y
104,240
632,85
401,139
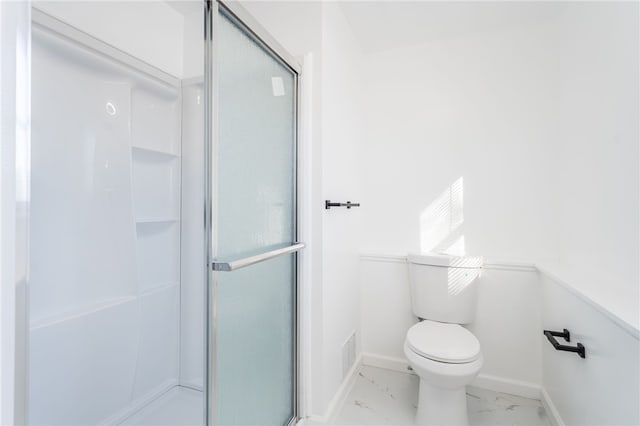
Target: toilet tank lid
x,y
438,259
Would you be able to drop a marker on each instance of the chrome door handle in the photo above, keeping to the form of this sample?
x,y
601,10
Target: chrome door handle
x,y
251,260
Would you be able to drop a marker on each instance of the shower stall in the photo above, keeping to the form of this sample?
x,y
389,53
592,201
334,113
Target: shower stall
x,y
163,252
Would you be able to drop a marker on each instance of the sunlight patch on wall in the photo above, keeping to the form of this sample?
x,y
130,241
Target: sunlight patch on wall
x,y
458,279
456,248
441,222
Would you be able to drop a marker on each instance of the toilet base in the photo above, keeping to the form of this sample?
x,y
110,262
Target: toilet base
x,y
441,407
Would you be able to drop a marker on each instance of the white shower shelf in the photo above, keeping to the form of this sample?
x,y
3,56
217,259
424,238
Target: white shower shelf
x,y
154,151
144,220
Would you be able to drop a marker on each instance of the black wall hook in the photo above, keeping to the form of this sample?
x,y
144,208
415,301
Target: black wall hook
x,y
551,336
328,204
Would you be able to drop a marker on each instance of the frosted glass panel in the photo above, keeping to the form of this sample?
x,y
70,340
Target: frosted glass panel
x,y
255,169
256,146
255,344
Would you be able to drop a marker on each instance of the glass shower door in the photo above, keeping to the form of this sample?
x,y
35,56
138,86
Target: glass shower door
x,y
254,230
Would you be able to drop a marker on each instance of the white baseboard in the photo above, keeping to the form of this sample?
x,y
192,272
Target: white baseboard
x,y
485,381
550,408
504,385
339,398
386,362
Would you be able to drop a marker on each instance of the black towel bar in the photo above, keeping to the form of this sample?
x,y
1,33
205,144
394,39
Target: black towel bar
x,y
551,336
328,204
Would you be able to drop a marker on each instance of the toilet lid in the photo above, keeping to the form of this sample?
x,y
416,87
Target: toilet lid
x,y
443,342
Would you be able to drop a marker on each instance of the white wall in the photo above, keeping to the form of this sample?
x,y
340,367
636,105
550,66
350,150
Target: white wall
x,y
470,110
603,388
386,306
597,105
508,327
342,147
594,288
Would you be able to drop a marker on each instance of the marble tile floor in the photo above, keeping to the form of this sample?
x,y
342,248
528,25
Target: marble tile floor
x,y
385,397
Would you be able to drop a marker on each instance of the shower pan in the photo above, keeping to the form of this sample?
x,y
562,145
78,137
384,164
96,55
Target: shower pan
x,y
163,252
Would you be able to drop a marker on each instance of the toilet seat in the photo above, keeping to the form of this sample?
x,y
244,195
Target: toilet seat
x,y
443,342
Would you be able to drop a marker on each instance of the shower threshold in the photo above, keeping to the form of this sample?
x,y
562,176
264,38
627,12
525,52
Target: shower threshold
x,y
177,407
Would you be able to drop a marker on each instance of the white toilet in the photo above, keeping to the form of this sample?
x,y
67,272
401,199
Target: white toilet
x,y
444,354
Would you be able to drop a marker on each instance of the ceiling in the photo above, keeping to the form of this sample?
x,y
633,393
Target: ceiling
x,y
382,25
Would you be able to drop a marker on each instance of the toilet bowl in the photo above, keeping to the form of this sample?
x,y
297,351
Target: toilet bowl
x,y
445,355
447,358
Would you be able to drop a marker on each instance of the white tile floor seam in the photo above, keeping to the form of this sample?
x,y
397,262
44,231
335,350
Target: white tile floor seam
x,y
385,397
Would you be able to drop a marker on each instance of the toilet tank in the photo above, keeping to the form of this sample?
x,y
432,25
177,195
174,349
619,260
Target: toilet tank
x,y
444,288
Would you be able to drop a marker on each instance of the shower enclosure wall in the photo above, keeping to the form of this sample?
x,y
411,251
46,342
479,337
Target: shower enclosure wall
x,y
146,174
117,240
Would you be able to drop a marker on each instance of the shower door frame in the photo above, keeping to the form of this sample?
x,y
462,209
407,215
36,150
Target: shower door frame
x,y
256,32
